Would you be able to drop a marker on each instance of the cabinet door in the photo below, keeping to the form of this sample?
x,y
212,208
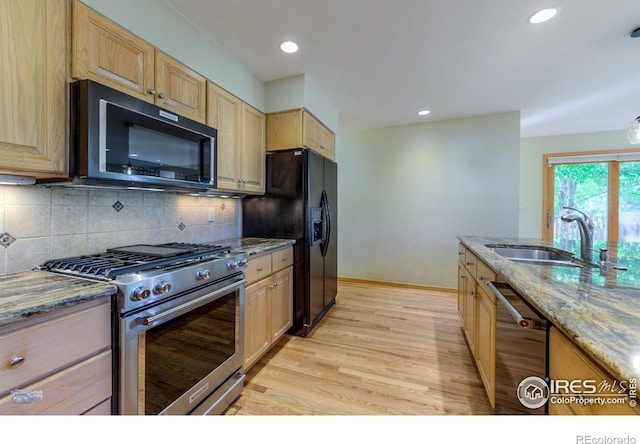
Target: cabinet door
x,y
327,145
257,322
179,88
470,311
568,362
109,54
34,106
224,112
486,342
284,130
311,132
253,150
281,303
462,276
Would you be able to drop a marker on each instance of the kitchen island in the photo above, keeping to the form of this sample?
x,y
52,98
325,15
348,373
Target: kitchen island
x,y
596,307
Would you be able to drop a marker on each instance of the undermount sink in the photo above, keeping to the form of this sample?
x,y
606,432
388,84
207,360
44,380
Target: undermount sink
x,y
535,255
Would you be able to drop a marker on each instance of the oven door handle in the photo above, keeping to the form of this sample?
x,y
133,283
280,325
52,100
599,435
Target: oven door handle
x,y
523,322
148,321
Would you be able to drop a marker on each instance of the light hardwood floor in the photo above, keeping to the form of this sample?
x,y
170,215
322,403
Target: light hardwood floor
x,y
381,350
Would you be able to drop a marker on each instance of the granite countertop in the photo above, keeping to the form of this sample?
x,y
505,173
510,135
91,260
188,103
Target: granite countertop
x,y
26,295
599,309
256,245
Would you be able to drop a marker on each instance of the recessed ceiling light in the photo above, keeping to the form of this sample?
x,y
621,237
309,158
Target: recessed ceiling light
x,y
424,112
289,47
543,15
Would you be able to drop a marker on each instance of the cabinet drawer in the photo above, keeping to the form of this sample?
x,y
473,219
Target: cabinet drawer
x,y
258,267
52,345
471,262
484,274
72,391
282,258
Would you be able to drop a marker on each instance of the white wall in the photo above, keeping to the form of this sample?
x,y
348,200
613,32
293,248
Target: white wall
x,y
300,92
406,192
531,151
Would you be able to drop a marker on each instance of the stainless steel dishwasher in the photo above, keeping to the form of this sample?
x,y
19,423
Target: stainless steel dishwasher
x,y
521,354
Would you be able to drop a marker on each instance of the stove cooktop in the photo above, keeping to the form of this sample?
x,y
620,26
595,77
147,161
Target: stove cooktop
x,y
130,259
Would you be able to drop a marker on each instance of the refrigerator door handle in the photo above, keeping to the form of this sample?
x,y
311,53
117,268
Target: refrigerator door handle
x,y
327,217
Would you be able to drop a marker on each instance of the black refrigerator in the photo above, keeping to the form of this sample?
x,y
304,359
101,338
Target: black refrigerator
x,y
300,203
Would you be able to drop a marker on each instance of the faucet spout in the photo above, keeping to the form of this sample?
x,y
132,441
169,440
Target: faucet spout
x,y
585,228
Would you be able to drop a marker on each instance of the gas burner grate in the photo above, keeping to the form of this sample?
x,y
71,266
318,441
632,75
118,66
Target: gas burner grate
x,y
111,264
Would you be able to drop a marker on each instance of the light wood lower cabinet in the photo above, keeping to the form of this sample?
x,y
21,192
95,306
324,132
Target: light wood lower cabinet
x,y
477,312
486,341
567,362
268,302
62,366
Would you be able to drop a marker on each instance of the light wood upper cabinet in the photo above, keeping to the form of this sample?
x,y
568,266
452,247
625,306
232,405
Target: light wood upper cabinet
x,y
252,170
297,128
241,141
34,105
109,54
224,112
179,88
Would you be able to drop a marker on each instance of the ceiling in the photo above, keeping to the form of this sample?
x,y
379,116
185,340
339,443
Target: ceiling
x,y
380,61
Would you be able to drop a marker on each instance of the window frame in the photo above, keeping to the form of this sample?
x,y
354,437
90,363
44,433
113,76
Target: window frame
x,y
548,186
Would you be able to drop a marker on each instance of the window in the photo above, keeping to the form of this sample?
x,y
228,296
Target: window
x,y
604,185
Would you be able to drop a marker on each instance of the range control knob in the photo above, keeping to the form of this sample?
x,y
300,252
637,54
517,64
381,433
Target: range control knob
x,y
243,262
162,287
140,293
203,274
232,265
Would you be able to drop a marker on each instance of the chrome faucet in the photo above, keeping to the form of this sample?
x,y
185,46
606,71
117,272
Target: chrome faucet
x,y
585,227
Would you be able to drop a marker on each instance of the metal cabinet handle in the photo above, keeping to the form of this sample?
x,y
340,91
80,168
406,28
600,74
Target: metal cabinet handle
x,y
152,92
161,95
16,361
259,268
284,259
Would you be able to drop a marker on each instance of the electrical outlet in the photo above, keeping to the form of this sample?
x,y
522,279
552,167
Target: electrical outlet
x,y
212,217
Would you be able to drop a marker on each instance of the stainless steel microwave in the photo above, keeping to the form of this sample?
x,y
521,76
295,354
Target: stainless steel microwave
x,y
119,140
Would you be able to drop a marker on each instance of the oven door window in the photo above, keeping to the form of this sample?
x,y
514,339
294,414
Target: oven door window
x,y
137,145
181,352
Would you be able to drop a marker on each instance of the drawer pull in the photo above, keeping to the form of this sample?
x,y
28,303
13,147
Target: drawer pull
x,y
284,258
16,361
259,268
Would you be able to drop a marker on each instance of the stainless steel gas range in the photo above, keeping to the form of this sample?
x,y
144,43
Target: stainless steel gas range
x,y
178,323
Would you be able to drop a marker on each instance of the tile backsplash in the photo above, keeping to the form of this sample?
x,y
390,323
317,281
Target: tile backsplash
x,y
40,223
